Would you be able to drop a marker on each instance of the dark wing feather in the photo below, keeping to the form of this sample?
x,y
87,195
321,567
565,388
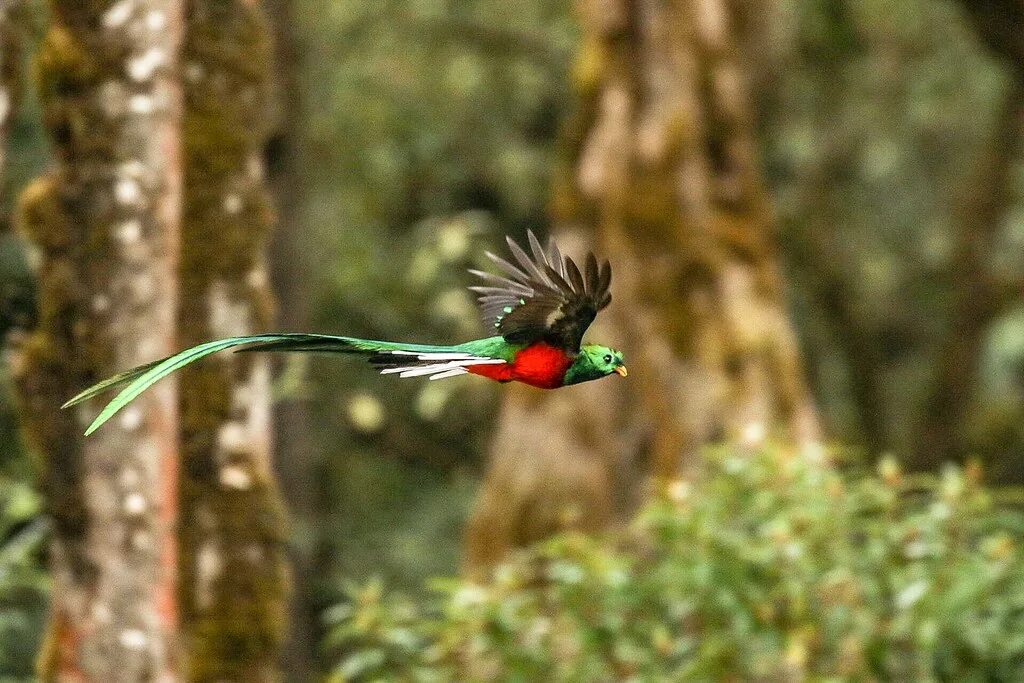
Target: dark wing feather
x,y
543,296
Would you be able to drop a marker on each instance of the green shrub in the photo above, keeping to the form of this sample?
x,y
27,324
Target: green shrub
x,y
770,566
24,585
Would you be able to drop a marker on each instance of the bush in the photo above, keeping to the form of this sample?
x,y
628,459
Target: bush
x,y
770,566
24,585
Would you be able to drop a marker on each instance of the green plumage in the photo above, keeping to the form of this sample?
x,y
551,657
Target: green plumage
x,y
540,306
141,378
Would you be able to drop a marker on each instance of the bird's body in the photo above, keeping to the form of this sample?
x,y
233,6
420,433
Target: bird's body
x,y
538,365
540,311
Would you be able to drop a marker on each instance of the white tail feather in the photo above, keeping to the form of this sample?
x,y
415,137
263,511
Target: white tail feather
x,y
450,368
426,370
449,373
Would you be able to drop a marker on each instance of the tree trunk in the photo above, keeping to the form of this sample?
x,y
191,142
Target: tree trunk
x,y
105,221
17,290
978,296
234,574
10,82
300,468
660,165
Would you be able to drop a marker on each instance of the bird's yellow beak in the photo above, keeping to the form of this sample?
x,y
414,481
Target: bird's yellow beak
x,y
621,369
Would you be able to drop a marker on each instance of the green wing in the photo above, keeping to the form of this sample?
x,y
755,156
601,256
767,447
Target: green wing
x,y
409,360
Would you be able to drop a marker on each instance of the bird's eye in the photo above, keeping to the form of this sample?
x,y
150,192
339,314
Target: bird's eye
x,y
607,358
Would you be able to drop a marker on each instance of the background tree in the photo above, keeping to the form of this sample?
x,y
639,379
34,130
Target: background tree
x,y
234,579
298,456
660,159
105,221
16,286
981,291
889,137
10,76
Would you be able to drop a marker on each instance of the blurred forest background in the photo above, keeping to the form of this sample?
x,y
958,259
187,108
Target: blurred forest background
x,y
814,210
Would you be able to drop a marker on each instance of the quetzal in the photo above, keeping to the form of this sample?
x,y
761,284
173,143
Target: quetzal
x,y
540,309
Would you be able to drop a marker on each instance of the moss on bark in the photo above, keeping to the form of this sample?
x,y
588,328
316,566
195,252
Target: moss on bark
x,y
233,531
105,303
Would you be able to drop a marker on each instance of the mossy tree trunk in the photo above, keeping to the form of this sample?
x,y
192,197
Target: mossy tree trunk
x,y
11,38
17,290
660,166
300,469
105,221
234,574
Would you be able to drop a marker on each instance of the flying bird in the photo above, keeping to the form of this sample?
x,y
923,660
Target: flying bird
x,y
539,308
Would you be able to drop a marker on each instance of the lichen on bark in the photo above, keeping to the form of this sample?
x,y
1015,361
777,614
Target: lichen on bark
x,y
234,575
104,222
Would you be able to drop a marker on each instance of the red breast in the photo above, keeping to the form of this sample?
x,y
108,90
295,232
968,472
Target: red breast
x,y
538,365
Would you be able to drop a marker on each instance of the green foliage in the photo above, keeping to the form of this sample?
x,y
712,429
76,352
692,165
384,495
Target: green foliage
x,y
427,132
876,115
770,566
24,584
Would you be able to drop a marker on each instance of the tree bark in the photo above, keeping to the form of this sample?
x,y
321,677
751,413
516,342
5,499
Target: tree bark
x,y
977,296
234,574
105,221
300,469
660,166
15,297
818,252
10,82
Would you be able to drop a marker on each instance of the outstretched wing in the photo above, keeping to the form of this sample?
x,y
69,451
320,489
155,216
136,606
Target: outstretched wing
x,y
408,360
544,298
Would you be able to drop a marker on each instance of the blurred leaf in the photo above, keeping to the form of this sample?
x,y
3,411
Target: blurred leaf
x,y
759,572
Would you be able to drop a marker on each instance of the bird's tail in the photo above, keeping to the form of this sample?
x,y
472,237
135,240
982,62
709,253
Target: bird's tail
x,y
408,360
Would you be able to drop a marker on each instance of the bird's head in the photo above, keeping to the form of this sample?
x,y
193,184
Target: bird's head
x,y
594,362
